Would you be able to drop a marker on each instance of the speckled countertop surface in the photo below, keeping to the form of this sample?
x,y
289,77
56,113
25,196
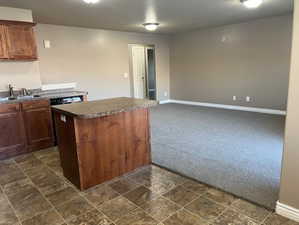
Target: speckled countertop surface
x,y
22,100
94,109
61,94
44,95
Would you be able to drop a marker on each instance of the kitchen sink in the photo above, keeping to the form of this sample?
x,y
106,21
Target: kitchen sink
x,y
19,98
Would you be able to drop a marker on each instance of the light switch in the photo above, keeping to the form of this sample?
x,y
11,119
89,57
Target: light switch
x,y
126,75
47,44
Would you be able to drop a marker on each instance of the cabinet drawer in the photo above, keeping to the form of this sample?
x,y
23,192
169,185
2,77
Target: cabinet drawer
x,y
35,104
7,108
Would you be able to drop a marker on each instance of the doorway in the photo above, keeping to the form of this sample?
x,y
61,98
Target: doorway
x,y
143,71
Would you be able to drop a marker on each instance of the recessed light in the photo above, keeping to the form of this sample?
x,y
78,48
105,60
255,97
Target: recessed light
x,y
91,1
252,3
151,26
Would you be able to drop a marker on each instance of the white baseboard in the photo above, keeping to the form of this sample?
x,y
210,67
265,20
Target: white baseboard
x,y
231,107
164,101
287,211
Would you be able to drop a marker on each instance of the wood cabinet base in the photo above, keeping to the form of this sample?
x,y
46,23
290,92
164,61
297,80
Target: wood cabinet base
x,y
93,151
25,127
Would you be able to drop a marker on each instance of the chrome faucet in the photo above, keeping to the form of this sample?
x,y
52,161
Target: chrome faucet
x,y
25,92
11,92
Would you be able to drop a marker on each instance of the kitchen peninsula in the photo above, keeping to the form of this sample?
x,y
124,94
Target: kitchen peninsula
x,y
101,140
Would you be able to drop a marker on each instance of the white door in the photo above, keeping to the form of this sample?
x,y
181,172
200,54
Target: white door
x,y
138,59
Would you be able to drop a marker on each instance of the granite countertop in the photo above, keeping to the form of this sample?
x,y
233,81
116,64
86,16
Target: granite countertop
x,y
100,108
18,100
61,93
44,95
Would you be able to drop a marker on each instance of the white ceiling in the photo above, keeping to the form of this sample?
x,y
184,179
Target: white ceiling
x,y
129,15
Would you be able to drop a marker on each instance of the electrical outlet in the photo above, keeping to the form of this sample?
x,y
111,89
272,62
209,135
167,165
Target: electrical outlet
x,y
234,98
248,99
165,93
63,118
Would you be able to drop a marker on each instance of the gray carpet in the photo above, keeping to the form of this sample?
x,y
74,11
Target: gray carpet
x,y
239,152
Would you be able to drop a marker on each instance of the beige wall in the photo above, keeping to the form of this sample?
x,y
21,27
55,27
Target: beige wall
x,y
19,74
249,59
289,189
97,59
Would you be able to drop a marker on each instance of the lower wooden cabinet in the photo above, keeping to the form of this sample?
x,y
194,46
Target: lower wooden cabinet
x,y
38,125
25,127
12,136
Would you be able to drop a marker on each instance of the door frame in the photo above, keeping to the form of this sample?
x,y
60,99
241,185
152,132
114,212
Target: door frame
x,y
146,71
131,75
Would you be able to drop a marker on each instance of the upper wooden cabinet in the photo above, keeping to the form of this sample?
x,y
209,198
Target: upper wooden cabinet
x,y
3,44
17,41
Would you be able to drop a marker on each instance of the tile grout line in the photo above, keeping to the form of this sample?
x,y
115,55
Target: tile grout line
x,y
227,207
181,209
81,194
75,188
122,195
138,184
252,219
127,176
64,221
194,214
10,204
137,207
26,177
158,196
267,217
161,195
95,206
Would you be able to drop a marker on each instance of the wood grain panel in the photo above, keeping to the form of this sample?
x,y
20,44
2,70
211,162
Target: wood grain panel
x,y
12,138
66,140
38,124
21,42
106,147
35,104
25,127
7,108
3,43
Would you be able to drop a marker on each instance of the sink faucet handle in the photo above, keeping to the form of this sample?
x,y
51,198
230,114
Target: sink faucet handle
x,y
10,87
26,92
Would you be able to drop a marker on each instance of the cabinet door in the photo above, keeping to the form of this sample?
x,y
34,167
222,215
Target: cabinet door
x,y
12,138
38,124
3,43
21,42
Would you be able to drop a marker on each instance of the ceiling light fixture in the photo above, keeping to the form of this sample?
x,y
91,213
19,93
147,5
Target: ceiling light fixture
x,y
151,26
91,1
252,3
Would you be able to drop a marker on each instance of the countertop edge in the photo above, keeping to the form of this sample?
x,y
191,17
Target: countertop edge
x,y
47,96
18,101
103,114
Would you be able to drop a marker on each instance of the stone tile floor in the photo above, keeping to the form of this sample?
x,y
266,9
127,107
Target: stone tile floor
x,y
34,192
